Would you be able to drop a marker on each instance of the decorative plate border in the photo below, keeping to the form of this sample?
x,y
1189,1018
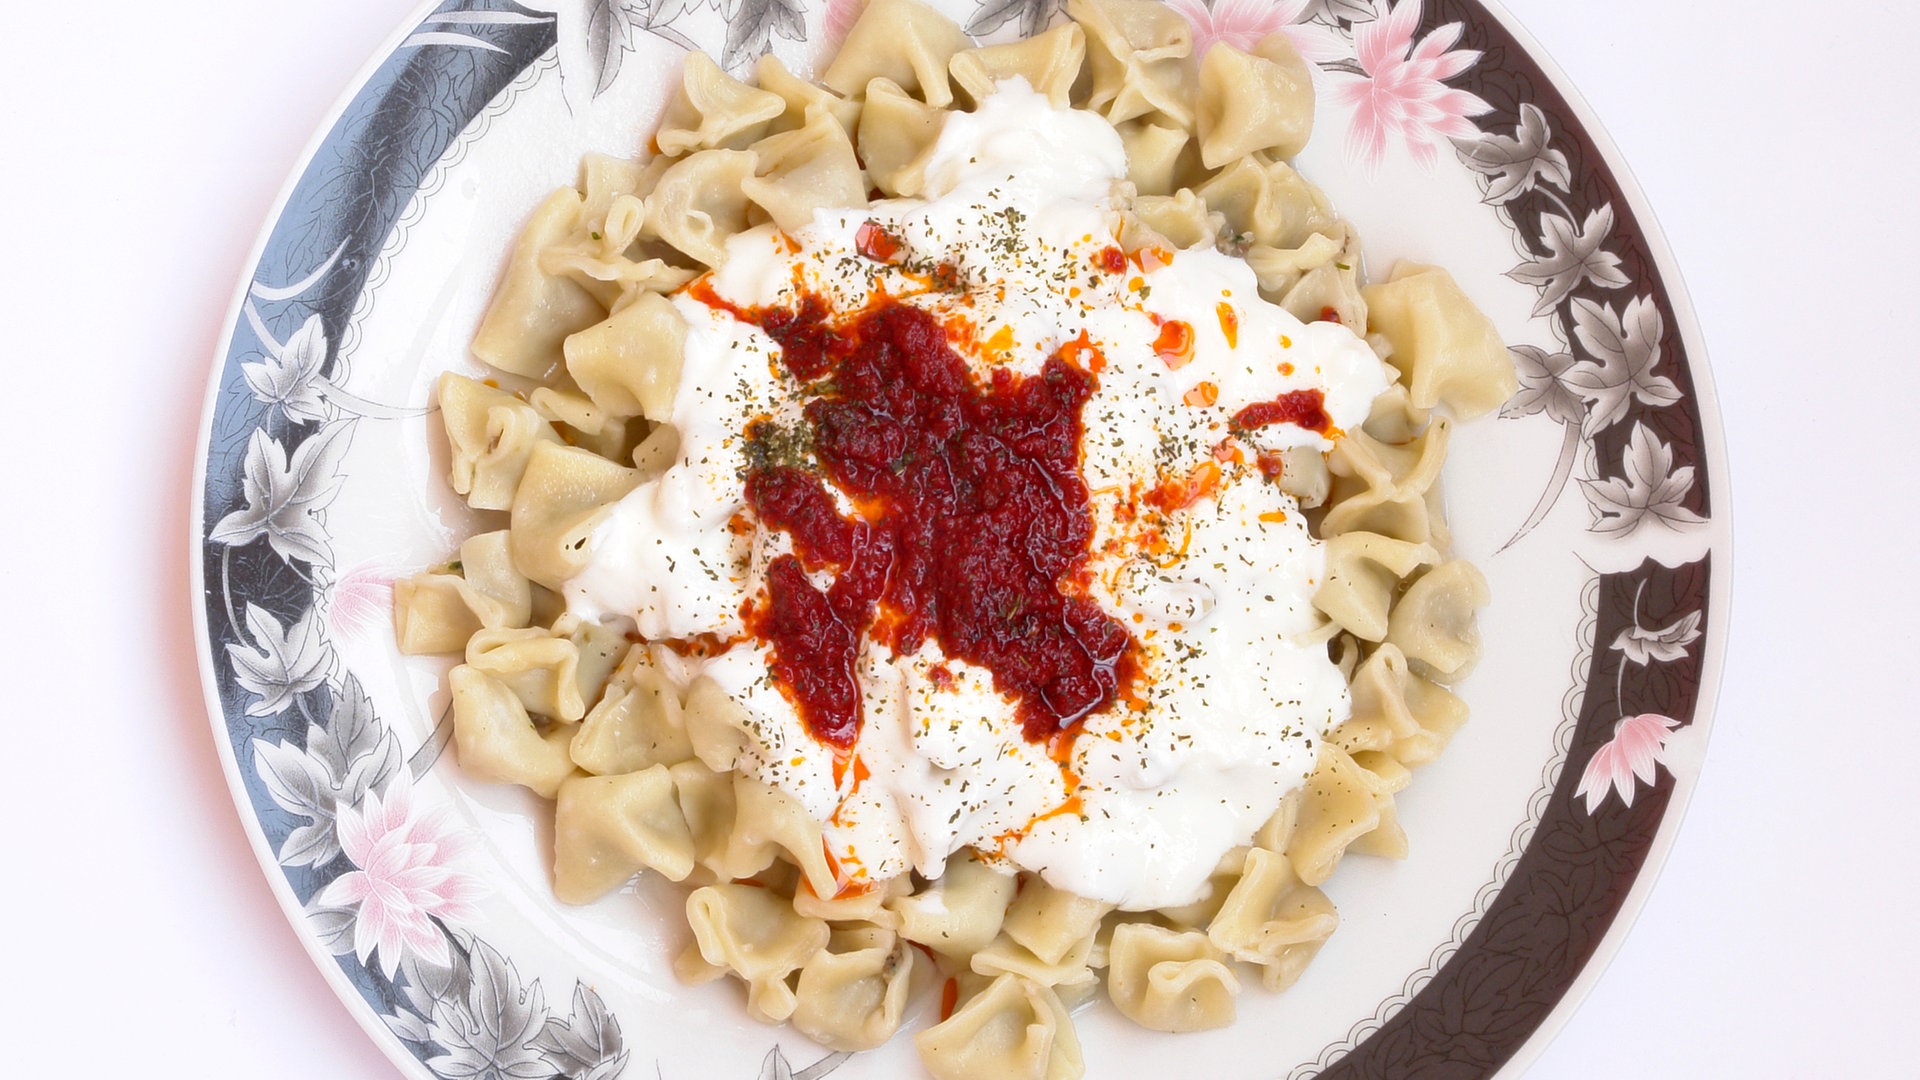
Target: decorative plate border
x,y
328,794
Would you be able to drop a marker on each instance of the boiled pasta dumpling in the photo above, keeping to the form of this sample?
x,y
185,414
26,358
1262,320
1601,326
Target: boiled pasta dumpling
x,y
658,763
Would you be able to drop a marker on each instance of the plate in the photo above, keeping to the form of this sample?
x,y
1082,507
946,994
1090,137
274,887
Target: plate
x,y
1595,503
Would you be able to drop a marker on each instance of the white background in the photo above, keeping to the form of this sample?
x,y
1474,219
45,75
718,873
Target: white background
x,y
141,146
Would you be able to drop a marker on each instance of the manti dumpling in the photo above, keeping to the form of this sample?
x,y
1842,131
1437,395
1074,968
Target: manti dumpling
x,y
755,934
1170,980
608,828
1015,1029
853,993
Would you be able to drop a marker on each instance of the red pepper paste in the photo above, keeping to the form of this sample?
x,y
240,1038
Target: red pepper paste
x,y
1305,408
973,526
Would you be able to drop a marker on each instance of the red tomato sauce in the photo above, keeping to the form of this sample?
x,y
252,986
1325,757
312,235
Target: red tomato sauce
x,y
972,530
1306,408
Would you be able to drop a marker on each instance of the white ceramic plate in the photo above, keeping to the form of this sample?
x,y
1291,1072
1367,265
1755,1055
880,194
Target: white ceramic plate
x,y
1595,505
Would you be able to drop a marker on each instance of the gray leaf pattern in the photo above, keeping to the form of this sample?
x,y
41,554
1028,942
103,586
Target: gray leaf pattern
x,y
489,1033
586,1044
1649,489
1617,352
284,496
346,757
290,379
1543,386
1627,345
1033,15
1665,645
489,1026
610,29
1329,11
283,662
1572,258
300,786
332,927
1512,165
359,752
751,25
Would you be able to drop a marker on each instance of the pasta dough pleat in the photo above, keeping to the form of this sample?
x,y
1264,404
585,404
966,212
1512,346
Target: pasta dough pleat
x,y
1170,980
802,171
1445,348
563,495
1259,101
497,741
1272,920
1182,220
1136,50
483,591
1336,809
712,110
533,310
769,820
1440,714
852,994
637,723
1161,155
757,936
1434,623
896,133
1363,572
1382,488
490,437
1267,202
629,363
541,670
901,40
716,725
1015,1029
431,616
699,202
608,828
961,912
803,99
1050,62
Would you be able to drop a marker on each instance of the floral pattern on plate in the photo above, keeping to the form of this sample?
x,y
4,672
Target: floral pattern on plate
x,y
354,821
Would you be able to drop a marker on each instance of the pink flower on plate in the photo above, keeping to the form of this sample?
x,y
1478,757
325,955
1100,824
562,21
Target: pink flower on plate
x,y
1242,23
361,598
1639,744
1403,90
841,15
403,882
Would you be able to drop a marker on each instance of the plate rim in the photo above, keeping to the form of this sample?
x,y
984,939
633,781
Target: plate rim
x,y
269,864
1717,542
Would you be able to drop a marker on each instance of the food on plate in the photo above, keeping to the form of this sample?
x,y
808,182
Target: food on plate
x,y
971,521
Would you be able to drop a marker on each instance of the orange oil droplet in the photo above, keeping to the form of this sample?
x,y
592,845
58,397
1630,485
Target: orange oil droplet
x,y
1229,323
1084,354
1174,344
1203,395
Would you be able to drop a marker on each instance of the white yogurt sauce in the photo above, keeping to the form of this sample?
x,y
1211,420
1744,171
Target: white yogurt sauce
x,y
1234,698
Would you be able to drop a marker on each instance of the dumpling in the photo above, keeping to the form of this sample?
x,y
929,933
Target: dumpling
x,y
853,993
1050,63
1015,1029
608,828
902,40
713,110
1169,980
1445,348
1258,101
